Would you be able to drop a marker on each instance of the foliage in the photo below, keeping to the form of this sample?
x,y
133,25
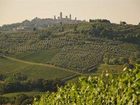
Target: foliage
x,y
3,100
23,99
80,47
44,34
104,89
39,85
122,31
20,99
116,61
77,46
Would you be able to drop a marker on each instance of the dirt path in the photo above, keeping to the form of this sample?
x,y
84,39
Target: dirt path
x,y
42,64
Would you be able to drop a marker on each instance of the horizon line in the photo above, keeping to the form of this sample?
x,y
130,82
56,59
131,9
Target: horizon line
x,y
87,20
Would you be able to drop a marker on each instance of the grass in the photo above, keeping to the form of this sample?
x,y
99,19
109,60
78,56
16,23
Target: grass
x,y
32,93
40,56
32,71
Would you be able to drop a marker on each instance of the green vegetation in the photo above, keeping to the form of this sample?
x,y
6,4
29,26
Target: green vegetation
x,y
65,51
38,56
9,67
20,99
114,69
79,47
14,88
104,89
31,93
19,83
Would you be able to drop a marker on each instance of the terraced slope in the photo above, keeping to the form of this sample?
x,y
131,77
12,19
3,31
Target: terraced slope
x,y
79,47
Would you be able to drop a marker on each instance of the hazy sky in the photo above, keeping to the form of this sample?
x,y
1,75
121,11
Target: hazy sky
x,y
12,11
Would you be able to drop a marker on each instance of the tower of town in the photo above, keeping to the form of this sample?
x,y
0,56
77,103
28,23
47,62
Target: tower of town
x,y
61,15
70,16
54,17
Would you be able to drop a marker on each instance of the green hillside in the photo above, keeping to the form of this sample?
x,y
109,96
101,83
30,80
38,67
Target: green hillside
x,y
42,59
10,67
81,47
42,56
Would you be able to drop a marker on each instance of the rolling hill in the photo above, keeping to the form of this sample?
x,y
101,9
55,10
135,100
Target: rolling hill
x,y
80,47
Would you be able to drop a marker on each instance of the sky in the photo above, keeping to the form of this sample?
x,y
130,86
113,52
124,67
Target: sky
x,y
12,11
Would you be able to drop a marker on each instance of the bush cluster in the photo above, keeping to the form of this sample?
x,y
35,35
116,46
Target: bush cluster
x,y
102,90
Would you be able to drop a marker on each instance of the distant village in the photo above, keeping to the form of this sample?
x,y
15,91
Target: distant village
x,y
43,23
64,18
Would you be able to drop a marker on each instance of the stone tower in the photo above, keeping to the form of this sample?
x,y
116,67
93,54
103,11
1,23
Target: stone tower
x,y
70,16
61,15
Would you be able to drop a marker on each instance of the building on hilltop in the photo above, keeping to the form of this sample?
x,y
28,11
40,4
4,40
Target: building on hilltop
x,y
75,18
61,17
65,19
38,23
54,17
70,17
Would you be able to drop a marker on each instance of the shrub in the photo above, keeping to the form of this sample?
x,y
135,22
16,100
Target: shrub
x,y
102,90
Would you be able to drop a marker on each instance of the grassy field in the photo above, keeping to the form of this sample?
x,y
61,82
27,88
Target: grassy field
x,y
32,71
32,93
40,56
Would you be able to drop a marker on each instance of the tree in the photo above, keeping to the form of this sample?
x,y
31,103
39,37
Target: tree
x,y
106,60
138,61
44,34
137,54
13,86
34,29
37,84
3,100
20,99
27,101
75,28
100,20
123,23
2,77
61,29
123,60
113,61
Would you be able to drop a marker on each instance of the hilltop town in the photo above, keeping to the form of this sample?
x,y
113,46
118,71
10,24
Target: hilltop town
x,y
38,23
